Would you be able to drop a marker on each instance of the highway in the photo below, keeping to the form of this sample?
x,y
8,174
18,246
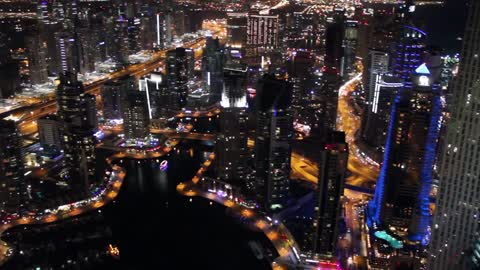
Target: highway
x,y
363,171
303,168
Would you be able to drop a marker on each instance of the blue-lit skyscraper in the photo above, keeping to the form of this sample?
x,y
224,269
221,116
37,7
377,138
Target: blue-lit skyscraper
x,y
409,51
401,202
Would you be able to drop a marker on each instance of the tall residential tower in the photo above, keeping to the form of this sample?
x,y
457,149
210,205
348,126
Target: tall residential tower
x,y
274,133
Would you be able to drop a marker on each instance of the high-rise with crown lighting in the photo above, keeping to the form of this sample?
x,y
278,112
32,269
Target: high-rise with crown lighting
x,y
401,204
231,147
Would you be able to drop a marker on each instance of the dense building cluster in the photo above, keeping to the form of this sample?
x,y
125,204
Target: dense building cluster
x,y
340,122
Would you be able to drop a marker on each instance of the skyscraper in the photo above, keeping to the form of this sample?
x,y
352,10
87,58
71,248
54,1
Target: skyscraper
x,y
147,33
402,195
117,41
42,11
212,67
377,116
158,96
11,166
409,51
262,33
231,146
273,136
77,110
455,226
37,59
190,54
133,35
334,36
377,62
176,72
332,160
68,55
50,131
86,46
163,29
9,75
113,94
331,82
179,22
237,29
350,41
136,117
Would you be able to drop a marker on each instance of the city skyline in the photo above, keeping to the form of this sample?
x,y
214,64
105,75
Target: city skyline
x,y
260,135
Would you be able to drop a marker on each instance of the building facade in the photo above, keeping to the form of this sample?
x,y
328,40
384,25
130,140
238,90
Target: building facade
x,y
12,189
455,226
274,133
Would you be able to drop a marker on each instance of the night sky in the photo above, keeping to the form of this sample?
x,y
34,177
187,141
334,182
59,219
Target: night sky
x,y
444,24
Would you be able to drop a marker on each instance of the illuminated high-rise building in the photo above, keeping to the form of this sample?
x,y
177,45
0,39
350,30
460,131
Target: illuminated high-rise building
x,y
376,63
77,110
117,41
231,146
455,227
37,63
262,33
401,205
409,51
42,11
68,54
11,166
147,32
133,35
377,116
332,159
350,41
158,96
179,22
112,98
86,49
136,116
176,73
237,29
163,28
50,131
212,67
190,54
273,136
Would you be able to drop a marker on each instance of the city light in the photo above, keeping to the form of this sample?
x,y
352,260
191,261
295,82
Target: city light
x,y
334,134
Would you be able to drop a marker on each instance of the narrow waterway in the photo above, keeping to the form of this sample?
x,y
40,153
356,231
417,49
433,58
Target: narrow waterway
x,y
151,224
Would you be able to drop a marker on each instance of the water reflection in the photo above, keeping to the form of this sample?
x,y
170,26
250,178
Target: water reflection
x,y
151,225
